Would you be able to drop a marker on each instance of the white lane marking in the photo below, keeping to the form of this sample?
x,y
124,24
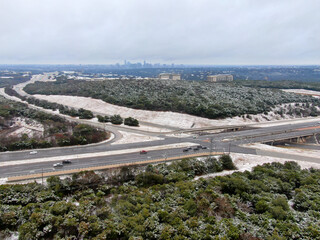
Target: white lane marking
x,y
93,155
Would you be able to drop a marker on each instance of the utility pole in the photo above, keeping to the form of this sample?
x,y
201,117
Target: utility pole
x,y
42,175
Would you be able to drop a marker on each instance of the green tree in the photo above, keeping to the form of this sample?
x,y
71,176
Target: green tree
x,y
116,119
131,121
227,163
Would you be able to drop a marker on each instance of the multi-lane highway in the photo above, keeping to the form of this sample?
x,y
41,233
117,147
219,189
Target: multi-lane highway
x,y
24,163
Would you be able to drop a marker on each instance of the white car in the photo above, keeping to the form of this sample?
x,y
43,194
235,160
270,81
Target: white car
x,y
58,165
33,152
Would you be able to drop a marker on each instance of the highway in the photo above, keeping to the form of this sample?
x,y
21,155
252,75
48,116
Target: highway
x,y
24,163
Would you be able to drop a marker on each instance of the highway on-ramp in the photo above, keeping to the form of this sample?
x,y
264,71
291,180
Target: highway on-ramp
x,y
24,163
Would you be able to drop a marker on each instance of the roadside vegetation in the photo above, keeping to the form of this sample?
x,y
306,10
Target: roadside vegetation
x,y
57,131
117,120
273,201
204,99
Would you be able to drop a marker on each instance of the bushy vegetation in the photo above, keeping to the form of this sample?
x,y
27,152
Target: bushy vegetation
x,y
210,100
57,131
103,119
116,119
81,113
12,79
130,121
274,201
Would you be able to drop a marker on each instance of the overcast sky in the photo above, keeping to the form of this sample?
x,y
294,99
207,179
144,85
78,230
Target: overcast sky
x,y
181,31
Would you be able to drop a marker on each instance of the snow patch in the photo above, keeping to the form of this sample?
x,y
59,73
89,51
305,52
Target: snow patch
x,y
246,162
14,236
295,151
303,91
128,137
3,181
26,126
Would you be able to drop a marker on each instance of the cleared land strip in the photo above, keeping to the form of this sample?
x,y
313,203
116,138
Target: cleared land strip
x,y
71,171
93,155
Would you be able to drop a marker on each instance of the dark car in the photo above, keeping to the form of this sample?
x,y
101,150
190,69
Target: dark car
x,y
204,147
66,162
185,150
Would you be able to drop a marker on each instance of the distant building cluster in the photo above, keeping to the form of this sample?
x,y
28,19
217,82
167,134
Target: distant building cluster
x,y
144,64
220,78
169,76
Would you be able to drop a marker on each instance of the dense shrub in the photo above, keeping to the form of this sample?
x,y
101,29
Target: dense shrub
x,y
227,163
85,207
57,131
131,122
103,118
116,119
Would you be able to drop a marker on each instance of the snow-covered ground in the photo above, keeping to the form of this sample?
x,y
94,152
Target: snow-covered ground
x,y
246,162
26,126
47,77
303,91
289,150
13,236
141,127
286,121
3,180
158,117
128,137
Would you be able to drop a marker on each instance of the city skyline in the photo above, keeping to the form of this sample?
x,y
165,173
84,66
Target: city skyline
x,y
204,32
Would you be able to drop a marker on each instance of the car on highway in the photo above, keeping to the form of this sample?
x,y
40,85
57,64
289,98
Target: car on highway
x,y
143,152
204,147
66,162
33,152
58,165
185,150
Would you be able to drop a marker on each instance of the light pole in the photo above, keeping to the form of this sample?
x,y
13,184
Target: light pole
x,y
211,145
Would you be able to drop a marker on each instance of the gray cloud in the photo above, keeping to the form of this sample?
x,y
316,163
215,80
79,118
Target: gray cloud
x,y
181,31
